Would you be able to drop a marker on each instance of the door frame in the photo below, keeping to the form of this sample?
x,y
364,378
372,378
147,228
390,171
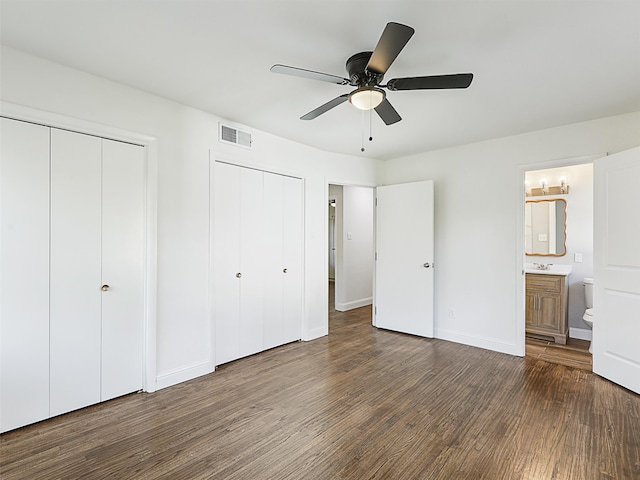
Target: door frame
x,y
520,233
150,145
326,197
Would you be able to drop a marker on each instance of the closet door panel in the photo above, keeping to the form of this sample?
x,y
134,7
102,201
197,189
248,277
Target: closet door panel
x,y
226,261
122,268
292,258
75,271
274,265
24,276
251,261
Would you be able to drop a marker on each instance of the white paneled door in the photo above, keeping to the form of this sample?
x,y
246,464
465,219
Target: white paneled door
x,y
24,274
616,325
404,258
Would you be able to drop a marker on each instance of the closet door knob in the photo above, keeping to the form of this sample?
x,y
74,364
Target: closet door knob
x,y
105,288
238,275
284,270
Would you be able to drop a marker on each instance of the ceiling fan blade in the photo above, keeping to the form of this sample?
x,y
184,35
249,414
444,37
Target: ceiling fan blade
x,y
459,80
325,108
393,39
301,72
387,113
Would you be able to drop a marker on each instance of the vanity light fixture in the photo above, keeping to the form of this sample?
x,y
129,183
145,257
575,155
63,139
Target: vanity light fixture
x,y
545,189
563,184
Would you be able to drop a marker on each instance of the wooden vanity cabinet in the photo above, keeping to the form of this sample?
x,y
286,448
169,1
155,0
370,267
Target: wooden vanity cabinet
x,y
546,306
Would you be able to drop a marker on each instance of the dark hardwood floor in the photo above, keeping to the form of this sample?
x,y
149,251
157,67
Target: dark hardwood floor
x,y
361,403
574,354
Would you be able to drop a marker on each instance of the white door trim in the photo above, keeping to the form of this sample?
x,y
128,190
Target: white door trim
x,y
150,144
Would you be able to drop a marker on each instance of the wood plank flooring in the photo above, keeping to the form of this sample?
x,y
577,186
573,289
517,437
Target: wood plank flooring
x,y
574,354
359,404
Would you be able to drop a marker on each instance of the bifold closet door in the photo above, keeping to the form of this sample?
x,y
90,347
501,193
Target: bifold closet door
x,y
283,257
292,250
238,262
226,262
122,268
75,323
24,276
97,235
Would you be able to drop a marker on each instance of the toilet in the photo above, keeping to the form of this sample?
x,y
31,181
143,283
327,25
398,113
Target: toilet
x,y
588,313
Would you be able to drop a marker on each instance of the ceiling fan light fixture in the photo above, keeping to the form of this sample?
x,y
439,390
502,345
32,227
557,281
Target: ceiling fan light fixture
x,y
367,98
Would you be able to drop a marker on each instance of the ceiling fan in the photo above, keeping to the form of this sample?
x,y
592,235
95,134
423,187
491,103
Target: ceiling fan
x,y
366,71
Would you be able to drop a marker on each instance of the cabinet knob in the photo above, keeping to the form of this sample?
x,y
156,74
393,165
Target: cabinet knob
x,y
238,275
284,270
105,288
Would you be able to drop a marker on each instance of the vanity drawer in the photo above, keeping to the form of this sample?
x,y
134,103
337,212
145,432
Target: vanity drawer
x,y
544,283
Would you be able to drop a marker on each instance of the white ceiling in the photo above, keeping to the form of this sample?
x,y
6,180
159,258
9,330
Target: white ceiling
x,y
537,64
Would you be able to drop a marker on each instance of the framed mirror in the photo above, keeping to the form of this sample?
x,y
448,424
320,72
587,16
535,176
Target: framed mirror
x,y
546,227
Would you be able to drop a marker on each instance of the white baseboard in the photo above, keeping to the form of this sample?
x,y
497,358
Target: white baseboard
x,y
580,333
180,375
343,307
486,343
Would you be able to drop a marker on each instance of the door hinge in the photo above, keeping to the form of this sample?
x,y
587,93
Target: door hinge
x,y
376,255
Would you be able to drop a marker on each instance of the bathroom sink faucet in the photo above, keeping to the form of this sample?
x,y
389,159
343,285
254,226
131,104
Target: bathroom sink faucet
x,y
542,266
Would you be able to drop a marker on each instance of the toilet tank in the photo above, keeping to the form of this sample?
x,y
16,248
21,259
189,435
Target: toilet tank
x,y
588,291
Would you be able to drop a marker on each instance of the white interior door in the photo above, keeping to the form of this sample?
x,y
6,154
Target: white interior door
x,y
404,258
616,326
251,261
75,271
272,239
226,261
122,268
292,246
24,276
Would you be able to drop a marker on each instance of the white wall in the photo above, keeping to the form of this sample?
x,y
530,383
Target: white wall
x,y
479,207
357,248
579,232
184,138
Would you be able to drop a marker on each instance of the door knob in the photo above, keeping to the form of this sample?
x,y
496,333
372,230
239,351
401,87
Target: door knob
x,y
284,270
238,275
105,288
426,265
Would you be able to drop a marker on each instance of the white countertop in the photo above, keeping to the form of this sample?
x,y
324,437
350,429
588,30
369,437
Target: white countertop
x,y
552,270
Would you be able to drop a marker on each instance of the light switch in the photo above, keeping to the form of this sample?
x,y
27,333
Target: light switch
x,y
577,258
542,237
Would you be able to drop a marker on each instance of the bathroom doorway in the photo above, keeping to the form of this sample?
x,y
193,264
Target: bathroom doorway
x,y
566,244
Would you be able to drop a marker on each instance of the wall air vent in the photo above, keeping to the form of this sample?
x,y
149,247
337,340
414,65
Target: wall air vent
x,y
234,136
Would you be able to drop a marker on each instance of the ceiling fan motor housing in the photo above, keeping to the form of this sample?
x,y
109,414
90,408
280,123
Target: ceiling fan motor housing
x,y
357,70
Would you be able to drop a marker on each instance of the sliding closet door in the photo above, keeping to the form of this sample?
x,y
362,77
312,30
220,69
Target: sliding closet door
x,y
24,276
75,271
122,268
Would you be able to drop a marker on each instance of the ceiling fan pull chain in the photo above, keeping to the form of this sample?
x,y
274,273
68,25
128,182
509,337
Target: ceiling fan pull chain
x,y
362,132
370,127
